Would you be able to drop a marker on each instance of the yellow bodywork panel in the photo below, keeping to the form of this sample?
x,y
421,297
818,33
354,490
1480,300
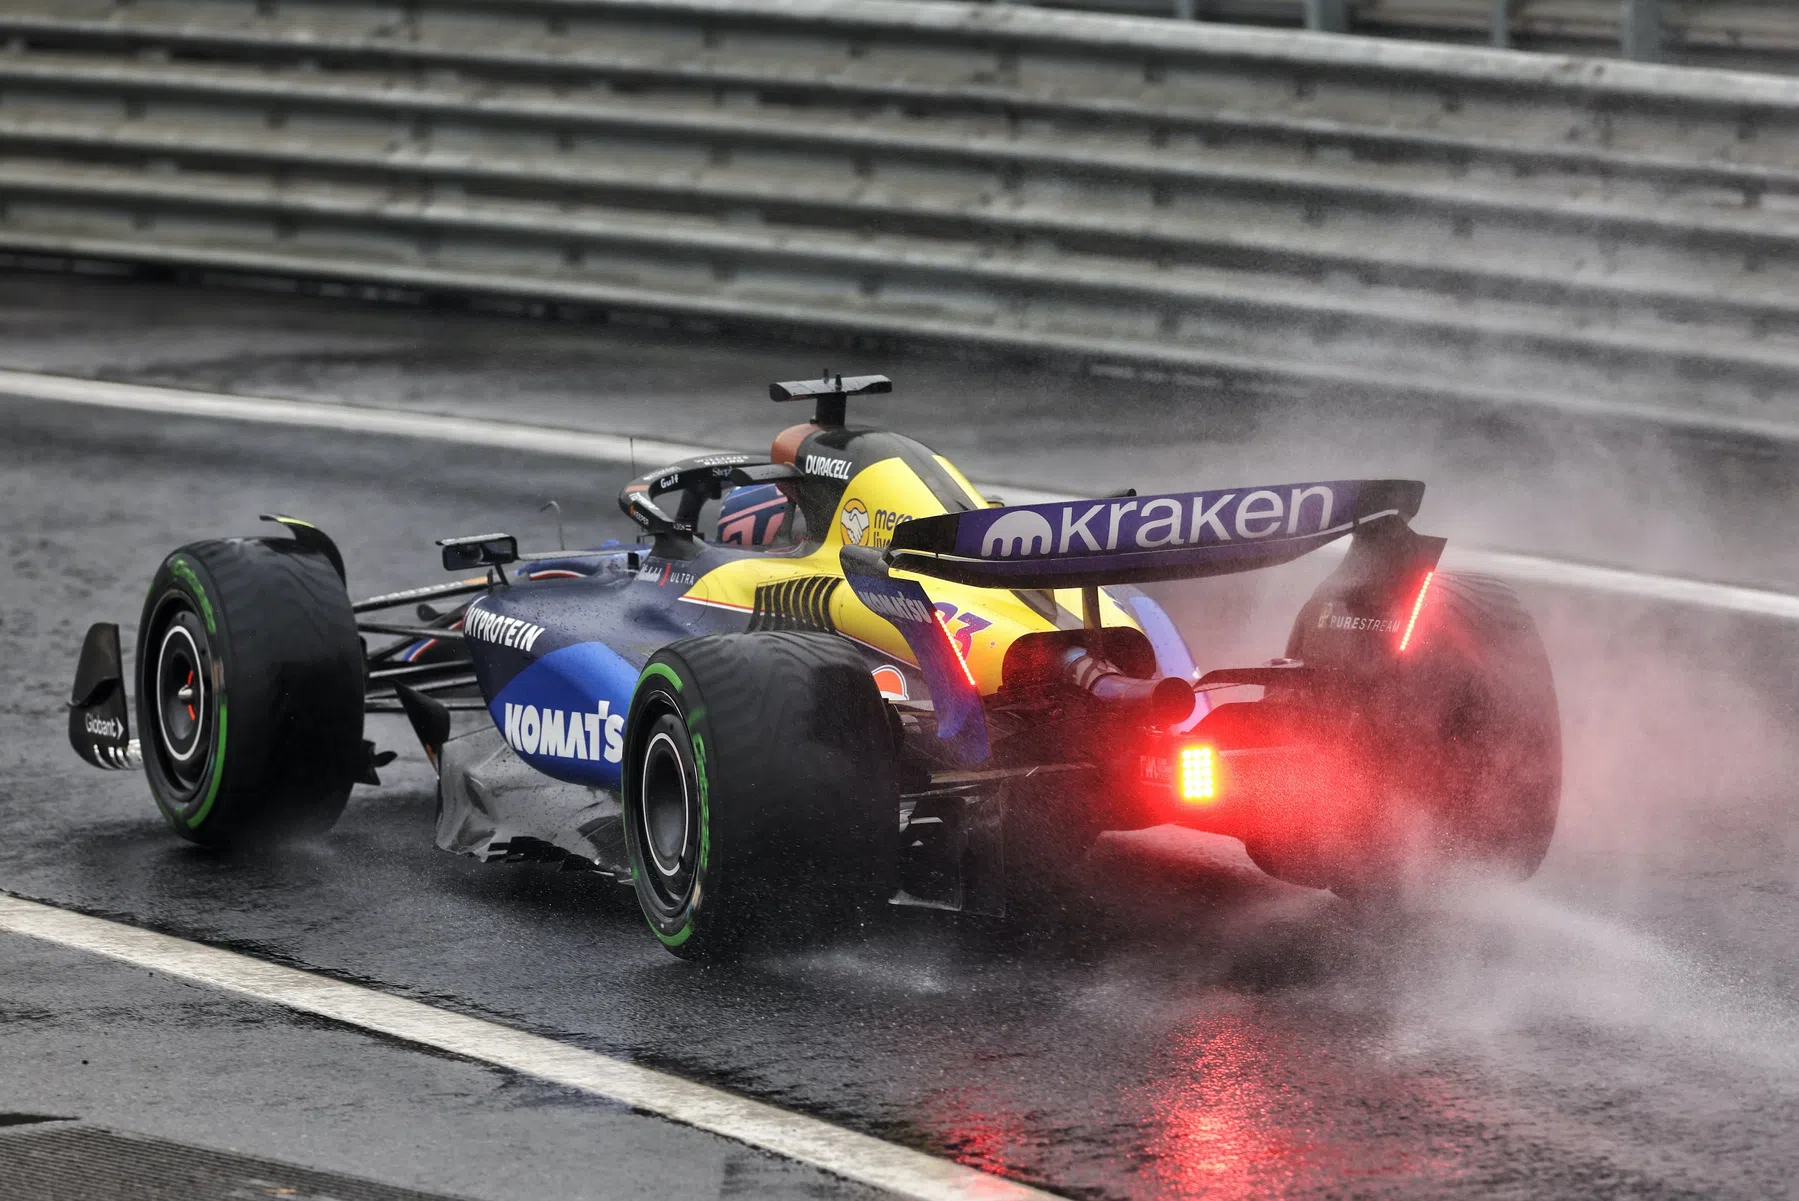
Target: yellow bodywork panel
x,y
982,621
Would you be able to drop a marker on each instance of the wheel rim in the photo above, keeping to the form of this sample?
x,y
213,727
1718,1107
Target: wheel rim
x,y
667,819
181,707
180,693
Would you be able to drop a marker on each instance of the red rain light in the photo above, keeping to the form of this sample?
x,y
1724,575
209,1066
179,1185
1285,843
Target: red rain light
x,y
1197,768
957,651
1411,622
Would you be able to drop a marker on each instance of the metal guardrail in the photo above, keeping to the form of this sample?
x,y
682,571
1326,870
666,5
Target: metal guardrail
x,y
1755,34
1272,209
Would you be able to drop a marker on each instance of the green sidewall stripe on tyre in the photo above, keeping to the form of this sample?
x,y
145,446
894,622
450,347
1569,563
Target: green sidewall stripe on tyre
x,y
218,773
180,569
699,766
699,881
663,670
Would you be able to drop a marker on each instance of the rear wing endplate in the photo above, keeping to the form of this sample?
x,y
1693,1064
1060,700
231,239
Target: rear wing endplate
x,y
961,723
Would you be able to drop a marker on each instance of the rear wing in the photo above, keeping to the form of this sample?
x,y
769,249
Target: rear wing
x,y
1090,544
1139,539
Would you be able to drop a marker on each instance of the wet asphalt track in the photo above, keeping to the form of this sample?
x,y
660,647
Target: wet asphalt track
x,y
1626,1025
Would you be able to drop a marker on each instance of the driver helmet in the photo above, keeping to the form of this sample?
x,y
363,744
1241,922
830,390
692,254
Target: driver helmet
x,y
757,515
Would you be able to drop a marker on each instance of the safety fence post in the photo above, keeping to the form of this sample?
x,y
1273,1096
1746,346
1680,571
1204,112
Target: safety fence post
x,y
1184,10
1502,23
1328,16
1642,32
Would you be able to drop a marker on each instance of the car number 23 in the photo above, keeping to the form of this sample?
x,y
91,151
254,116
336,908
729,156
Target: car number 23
x,y
962,625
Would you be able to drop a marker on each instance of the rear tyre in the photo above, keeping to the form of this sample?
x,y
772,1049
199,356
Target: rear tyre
x,y
760,790
1463,741
249,692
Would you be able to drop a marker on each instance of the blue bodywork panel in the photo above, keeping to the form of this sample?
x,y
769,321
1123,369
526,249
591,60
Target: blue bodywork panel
x,y
559,656
565,713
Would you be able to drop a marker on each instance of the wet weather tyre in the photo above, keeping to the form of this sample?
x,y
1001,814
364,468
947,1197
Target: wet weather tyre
x,y
1465,742
249,692
760,790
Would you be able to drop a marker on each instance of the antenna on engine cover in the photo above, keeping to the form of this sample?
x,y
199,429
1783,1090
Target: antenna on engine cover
x,y
831,392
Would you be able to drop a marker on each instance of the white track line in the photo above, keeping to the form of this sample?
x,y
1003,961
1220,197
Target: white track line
x,y
806,1140
1755,602
614,448
349,419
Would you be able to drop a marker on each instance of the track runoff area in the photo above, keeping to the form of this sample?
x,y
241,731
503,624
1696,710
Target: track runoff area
x,y
842,1152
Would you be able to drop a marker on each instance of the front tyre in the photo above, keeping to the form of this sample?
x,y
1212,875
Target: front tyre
x,y
249,691
760,789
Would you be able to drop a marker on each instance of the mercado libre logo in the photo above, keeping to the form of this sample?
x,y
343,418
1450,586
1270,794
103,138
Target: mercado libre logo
x,y
854,520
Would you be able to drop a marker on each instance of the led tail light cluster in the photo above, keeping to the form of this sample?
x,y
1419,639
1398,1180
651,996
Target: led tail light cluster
x,y
1196,774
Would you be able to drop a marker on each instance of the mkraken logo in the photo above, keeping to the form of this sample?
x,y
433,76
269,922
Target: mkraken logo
x,y
1154,522
854,520
1020,533
566,733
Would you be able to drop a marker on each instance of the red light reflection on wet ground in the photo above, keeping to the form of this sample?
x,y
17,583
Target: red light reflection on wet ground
x,y
983,1133
1229,1126
1234,1119
1242,1105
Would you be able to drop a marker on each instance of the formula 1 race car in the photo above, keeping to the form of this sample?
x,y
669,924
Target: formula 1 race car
x,y
870,684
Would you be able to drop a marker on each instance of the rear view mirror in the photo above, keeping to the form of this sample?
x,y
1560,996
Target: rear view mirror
x,y
482,550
